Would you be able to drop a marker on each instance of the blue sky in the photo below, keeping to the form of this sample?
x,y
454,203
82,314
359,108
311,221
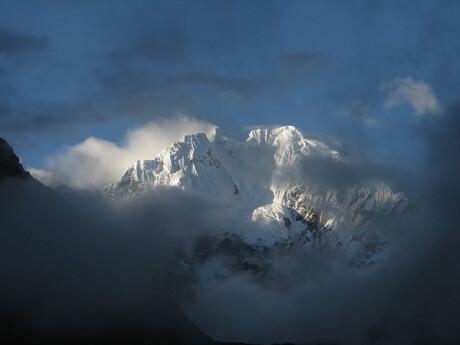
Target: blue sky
x,y
372,73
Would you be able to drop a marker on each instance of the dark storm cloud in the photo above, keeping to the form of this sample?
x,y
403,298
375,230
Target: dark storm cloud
x,y
16,47
165,46
50,117
129,83
13,44
236,86
140,91
159,74
154,66
302,61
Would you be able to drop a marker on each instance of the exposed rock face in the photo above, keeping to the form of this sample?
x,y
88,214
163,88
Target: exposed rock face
x,y
9,162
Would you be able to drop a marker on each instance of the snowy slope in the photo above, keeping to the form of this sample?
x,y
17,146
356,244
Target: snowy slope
x,y
259,178
252,171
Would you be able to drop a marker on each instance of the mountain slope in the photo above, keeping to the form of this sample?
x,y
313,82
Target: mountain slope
x,y
280,204
262,172
9,162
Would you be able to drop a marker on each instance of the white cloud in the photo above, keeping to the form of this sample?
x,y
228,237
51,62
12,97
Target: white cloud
x,y
417,94
95,162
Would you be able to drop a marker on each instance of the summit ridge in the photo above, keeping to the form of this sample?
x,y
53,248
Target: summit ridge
x,y
262,180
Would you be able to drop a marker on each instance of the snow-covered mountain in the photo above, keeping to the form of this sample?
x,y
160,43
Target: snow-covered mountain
x,y
264,181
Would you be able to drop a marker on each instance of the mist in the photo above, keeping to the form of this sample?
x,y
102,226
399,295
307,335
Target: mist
x,y
78,268
72,261
409,298
70,257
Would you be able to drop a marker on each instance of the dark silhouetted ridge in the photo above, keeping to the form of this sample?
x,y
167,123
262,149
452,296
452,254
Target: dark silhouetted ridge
x,y
9,162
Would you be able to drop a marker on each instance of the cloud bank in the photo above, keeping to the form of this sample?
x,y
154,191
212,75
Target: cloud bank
x,y
411,298
13,44
95,162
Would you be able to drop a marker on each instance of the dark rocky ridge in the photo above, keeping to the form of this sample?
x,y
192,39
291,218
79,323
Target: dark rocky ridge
x,y
9,162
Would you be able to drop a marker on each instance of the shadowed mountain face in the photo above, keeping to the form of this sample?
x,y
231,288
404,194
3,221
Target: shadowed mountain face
x,y
67,281
161,322
9,162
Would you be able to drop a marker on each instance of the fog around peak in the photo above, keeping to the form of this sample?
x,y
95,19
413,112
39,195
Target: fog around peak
x,y
411,297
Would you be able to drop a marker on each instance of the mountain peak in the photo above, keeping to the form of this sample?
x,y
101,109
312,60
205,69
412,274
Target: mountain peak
x,y
217,164
256,180
9,162
274,135
214,135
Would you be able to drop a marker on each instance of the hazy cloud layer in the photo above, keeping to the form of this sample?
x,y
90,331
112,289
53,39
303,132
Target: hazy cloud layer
x,y
410,298
77,268
45,118
13,44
